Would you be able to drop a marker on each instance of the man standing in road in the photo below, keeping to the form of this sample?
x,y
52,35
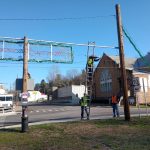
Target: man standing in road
x,y
114,102
84,104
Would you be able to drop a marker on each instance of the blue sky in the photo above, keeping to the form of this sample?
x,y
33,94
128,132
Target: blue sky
x,y
102,30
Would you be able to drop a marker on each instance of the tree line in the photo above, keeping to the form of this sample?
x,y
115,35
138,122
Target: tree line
x,y
58,80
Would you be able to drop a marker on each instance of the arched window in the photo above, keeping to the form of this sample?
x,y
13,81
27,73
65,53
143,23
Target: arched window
x,y
105,81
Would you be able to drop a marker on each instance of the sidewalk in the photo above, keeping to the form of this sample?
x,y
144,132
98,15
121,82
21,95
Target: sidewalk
x,y
68,120
55,121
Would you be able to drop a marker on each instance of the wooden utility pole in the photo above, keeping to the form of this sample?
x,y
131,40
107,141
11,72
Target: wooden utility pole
x,y
122,64
24,118
25,65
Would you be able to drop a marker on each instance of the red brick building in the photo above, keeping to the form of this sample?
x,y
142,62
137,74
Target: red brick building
x,y
107,79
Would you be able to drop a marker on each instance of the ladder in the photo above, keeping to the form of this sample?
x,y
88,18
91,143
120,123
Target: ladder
x,y
89,76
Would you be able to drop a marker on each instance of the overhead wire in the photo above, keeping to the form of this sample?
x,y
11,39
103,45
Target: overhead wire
x,y
132,43
69,18
38,66
135,47
55,19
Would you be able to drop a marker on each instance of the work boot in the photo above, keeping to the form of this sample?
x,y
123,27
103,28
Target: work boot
x,y
87,117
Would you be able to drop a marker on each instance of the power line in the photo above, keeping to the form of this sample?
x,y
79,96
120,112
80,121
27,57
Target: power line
x,y
44,42
76,66
55,19
135,47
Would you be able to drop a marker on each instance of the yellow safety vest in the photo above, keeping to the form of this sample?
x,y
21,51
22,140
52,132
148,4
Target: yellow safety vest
x,y
90,61
84,101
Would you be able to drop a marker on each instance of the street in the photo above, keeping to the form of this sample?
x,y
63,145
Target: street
x,y
47,112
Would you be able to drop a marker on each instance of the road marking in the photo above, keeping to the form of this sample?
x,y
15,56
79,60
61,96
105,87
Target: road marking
x,y
48,110
62,109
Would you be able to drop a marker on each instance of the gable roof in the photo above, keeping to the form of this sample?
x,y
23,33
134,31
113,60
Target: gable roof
x,y
143,63
129,62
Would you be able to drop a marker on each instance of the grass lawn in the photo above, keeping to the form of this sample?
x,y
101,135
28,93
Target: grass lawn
x,y
112,134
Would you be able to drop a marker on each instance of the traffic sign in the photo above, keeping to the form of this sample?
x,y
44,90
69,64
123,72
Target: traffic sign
x,y
24,102
25,95
136,84
24,98
131,100
135,81
137,88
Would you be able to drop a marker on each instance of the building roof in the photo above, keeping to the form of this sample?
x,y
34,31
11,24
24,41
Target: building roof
x,y
139,72
143,63
129,62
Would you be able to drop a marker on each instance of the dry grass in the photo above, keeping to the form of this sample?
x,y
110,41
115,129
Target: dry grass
x,y
84,135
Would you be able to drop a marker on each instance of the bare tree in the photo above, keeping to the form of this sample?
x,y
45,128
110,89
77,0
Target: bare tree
x,y
72,77
54,71
71,74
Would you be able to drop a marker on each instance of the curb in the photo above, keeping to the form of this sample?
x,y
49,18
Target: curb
x,y
54,121
68,120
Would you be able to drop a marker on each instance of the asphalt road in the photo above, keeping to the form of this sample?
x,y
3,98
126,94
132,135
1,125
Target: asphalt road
x,y
47,112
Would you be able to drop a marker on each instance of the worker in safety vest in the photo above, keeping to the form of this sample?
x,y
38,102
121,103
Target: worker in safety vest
x,y
84,102
114,102
90,62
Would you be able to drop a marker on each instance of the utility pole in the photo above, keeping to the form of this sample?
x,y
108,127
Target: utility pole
x,y
25,65
24,121
122,64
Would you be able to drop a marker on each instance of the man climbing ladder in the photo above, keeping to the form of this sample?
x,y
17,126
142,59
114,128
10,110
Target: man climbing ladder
x,y
90,63
89,74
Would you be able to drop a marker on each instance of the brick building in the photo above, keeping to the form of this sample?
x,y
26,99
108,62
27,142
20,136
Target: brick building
x,y
107,79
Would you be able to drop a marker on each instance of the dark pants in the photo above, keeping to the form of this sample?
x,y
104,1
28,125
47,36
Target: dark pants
x,y
84,108
115,110
90,72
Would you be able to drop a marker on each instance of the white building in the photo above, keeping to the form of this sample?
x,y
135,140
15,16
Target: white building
x,y
70,94
35,96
